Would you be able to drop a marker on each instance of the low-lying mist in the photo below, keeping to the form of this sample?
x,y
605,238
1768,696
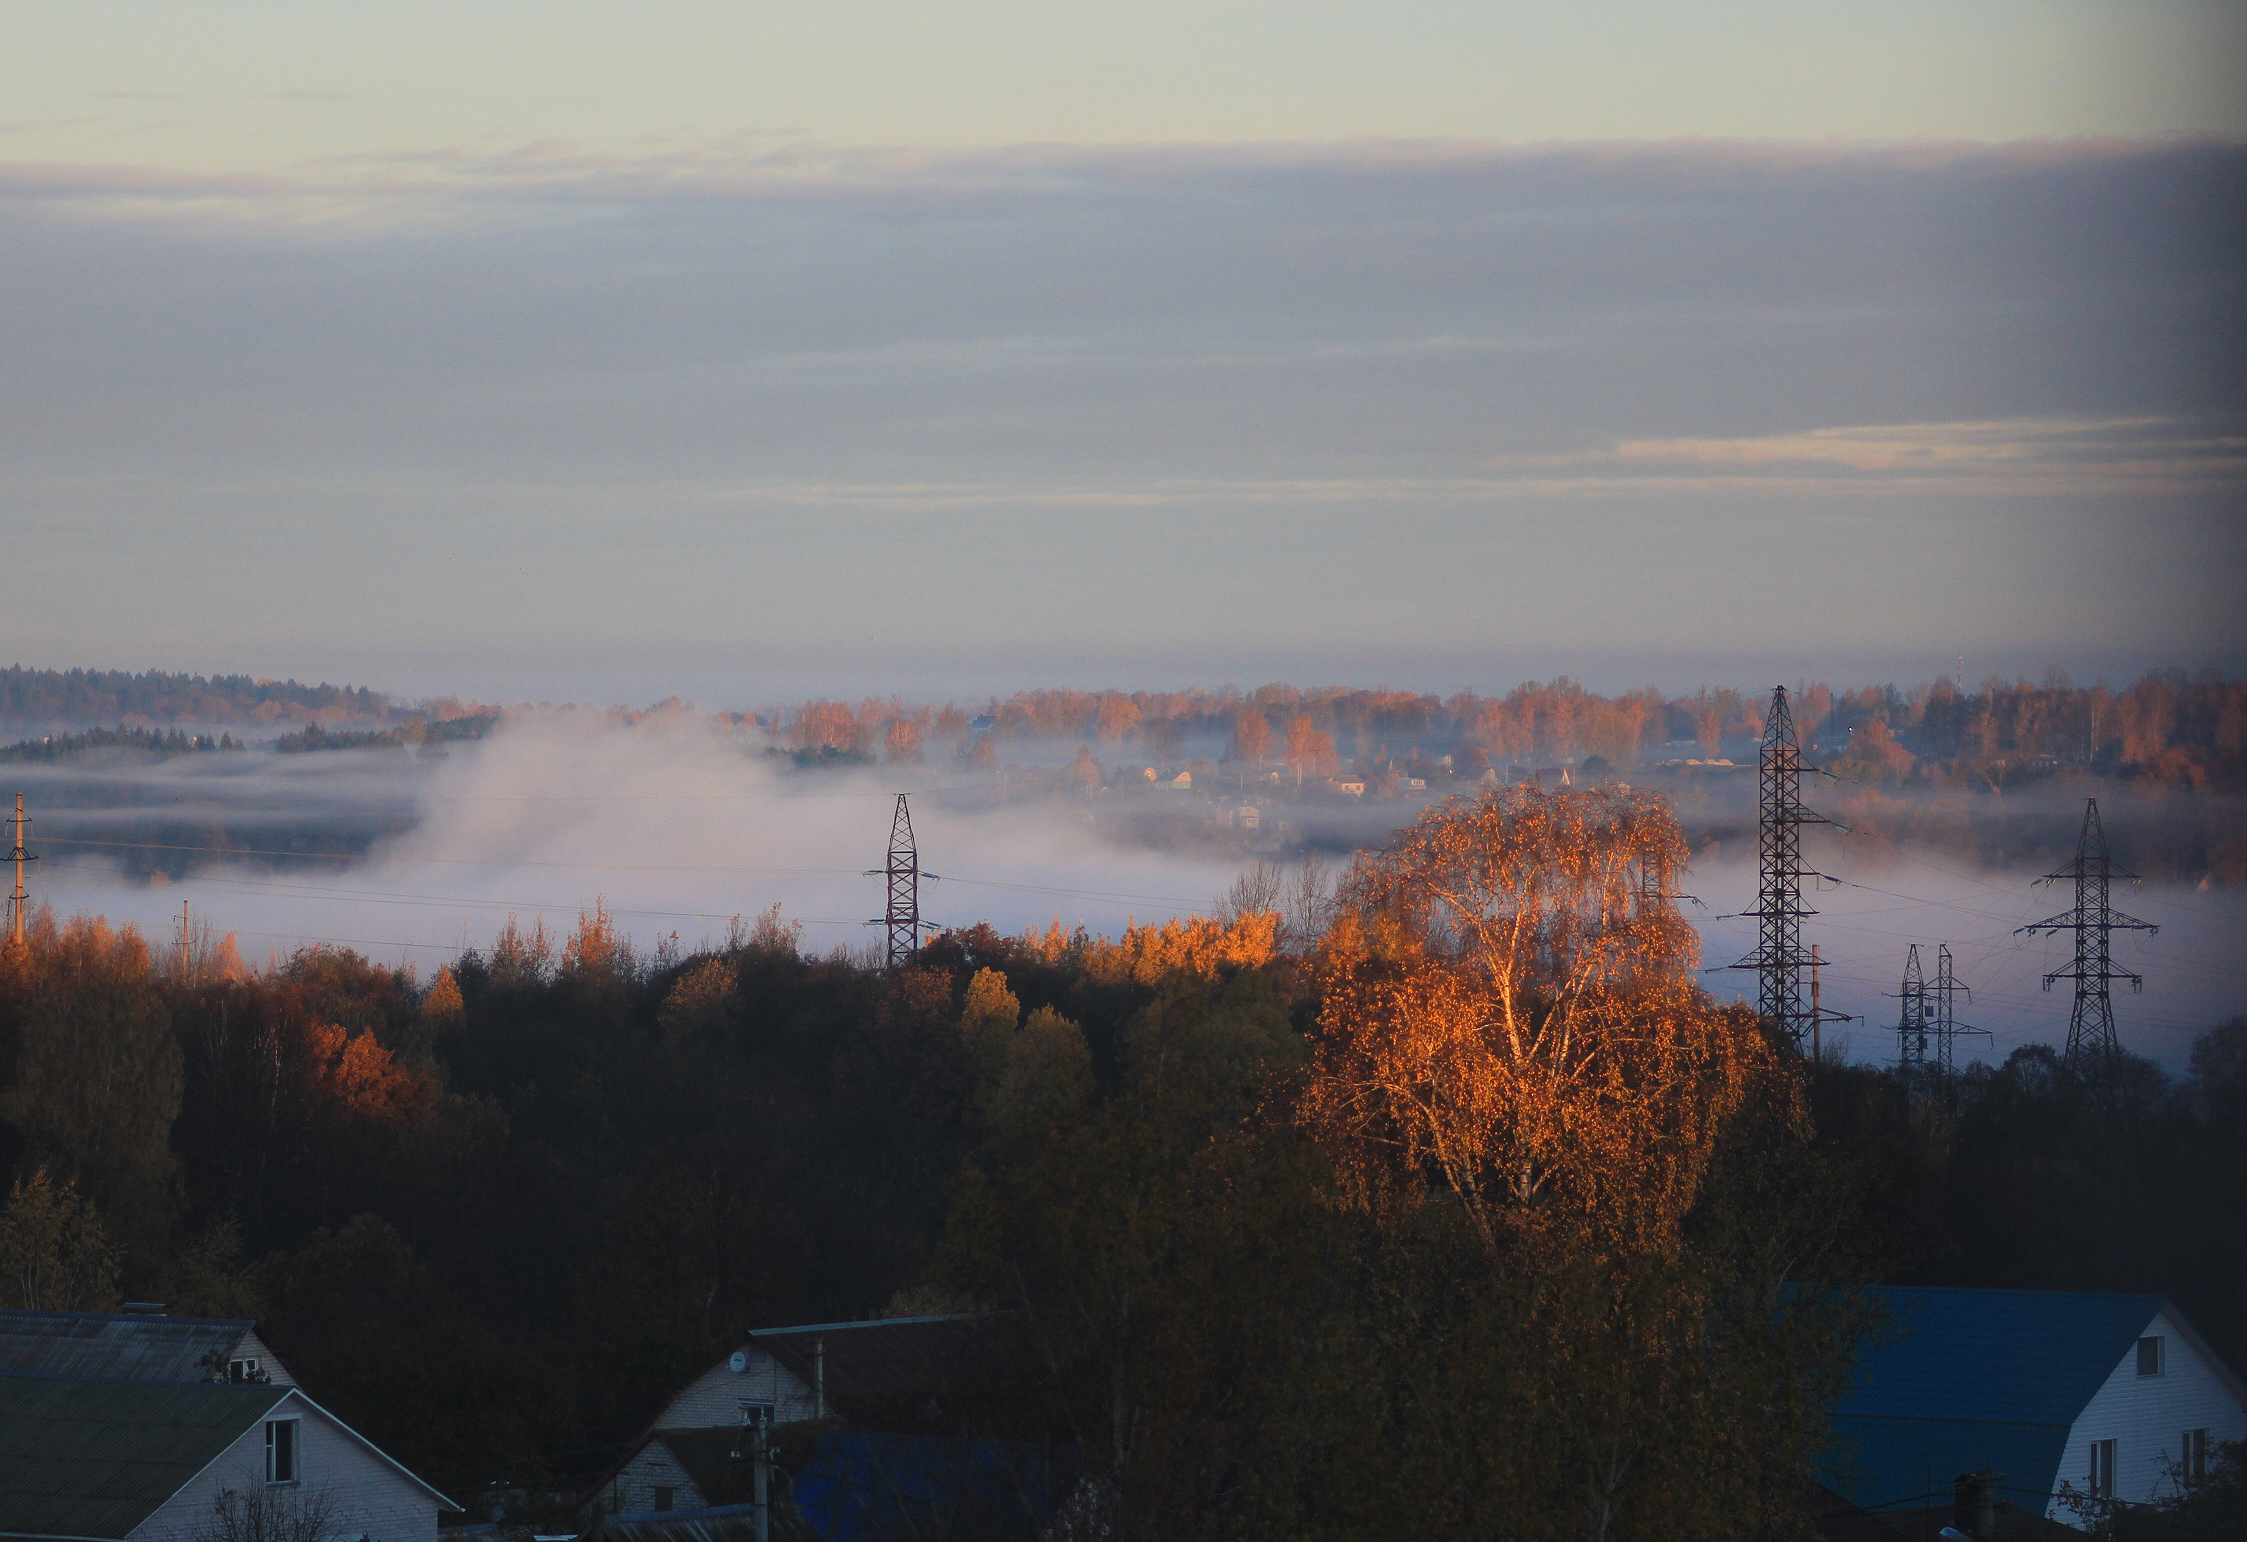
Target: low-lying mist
x,y
671,826
679,825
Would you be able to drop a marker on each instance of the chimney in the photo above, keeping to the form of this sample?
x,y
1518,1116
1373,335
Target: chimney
x,y
1974,1503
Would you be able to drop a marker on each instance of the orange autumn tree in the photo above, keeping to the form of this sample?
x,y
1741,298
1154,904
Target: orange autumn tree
x,y
1510,1011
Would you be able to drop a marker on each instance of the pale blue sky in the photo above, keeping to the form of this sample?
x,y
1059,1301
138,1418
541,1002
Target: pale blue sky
x,y
598,350
235,83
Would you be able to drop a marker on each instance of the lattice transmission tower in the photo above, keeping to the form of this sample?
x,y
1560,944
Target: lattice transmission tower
x,y
903,914
19,900
2092,1050
1912,1038
1944,1026
1779,957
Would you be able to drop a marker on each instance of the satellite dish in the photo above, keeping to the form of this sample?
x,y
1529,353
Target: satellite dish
x,y
740,1361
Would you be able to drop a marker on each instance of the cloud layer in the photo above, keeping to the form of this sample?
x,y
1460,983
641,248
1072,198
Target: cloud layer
x,y
576,382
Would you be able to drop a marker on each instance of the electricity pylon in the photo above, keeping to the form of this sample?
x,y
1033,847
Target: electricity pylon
x,y
903,915
1911,1025
19,900
1779,958
1946,1029
2092,1050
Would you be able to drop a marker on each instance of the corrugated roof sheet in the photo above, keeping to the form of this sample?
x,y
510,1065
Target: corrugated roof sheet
x,y
1976,1378
96,1458
860,1488
136,1346
2015,1356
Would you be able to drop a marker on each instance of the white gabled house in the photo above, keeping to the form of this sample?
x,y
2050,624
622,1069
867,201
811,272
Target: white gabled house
x,y
2110,1396
913,1374
98,1460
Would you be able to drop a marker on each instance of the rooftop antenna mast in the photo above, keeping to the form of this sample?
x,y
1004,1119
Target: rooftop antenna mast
x,y
903,915
19,900
2092,1050
1779,958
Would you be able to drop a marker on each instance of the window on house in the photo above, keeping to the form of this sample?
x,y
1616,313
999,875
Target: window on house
x,y
2102,1469
663,1498
243,1370
2149,1356
754,1411
2195,1462
280,1451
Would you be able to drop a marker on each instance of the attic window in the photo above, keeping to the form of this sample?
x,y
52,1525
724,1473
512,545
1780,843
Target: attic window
x,y
663,1498
244,1370
2149,1356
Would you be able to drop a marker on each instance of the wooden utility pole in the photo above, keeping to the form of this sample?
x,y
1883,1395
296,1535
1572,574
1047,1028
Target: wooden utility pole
x,y
18,900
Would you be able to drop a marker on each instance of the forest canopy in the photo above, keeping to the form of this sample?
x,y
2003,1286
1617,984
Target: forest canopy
x,y
1457,1162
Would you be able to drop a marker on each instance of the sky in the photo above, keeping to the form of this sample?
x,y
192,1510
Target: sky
x,y
756,349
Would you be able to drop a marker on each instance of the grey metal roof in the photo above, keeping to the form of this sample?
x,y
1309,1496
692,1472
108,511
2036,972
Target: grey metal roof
x,y
136,1346
93,1459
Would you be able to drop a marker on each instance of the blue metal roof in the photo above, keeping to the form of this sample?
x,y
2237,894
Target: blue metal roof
x,y
1967,1379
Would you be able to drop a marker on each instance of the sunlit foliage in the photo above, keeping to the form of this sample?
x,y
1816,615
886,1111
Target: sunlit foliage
x,y
1509,1004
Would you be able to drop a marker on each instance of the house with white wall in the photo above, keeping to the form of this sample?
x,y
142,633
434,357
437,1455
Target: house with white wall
x,y
2104,1396
915,1375
143,1461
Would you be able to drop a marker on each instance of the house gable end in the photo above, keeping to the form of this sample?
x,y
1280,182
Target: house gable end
x,y
2146,1416
715,1397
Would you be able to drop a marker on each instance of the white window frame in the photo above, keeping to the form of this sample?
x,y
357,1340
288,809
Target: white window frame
x,y
2160,1355
2192,1467
274,1452
242,1368
2102,1469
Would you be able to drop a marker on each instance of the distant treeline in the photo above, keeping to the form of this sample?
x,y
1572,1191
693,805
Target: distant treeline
x,y
99,695
414,731
2166,727
140,741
